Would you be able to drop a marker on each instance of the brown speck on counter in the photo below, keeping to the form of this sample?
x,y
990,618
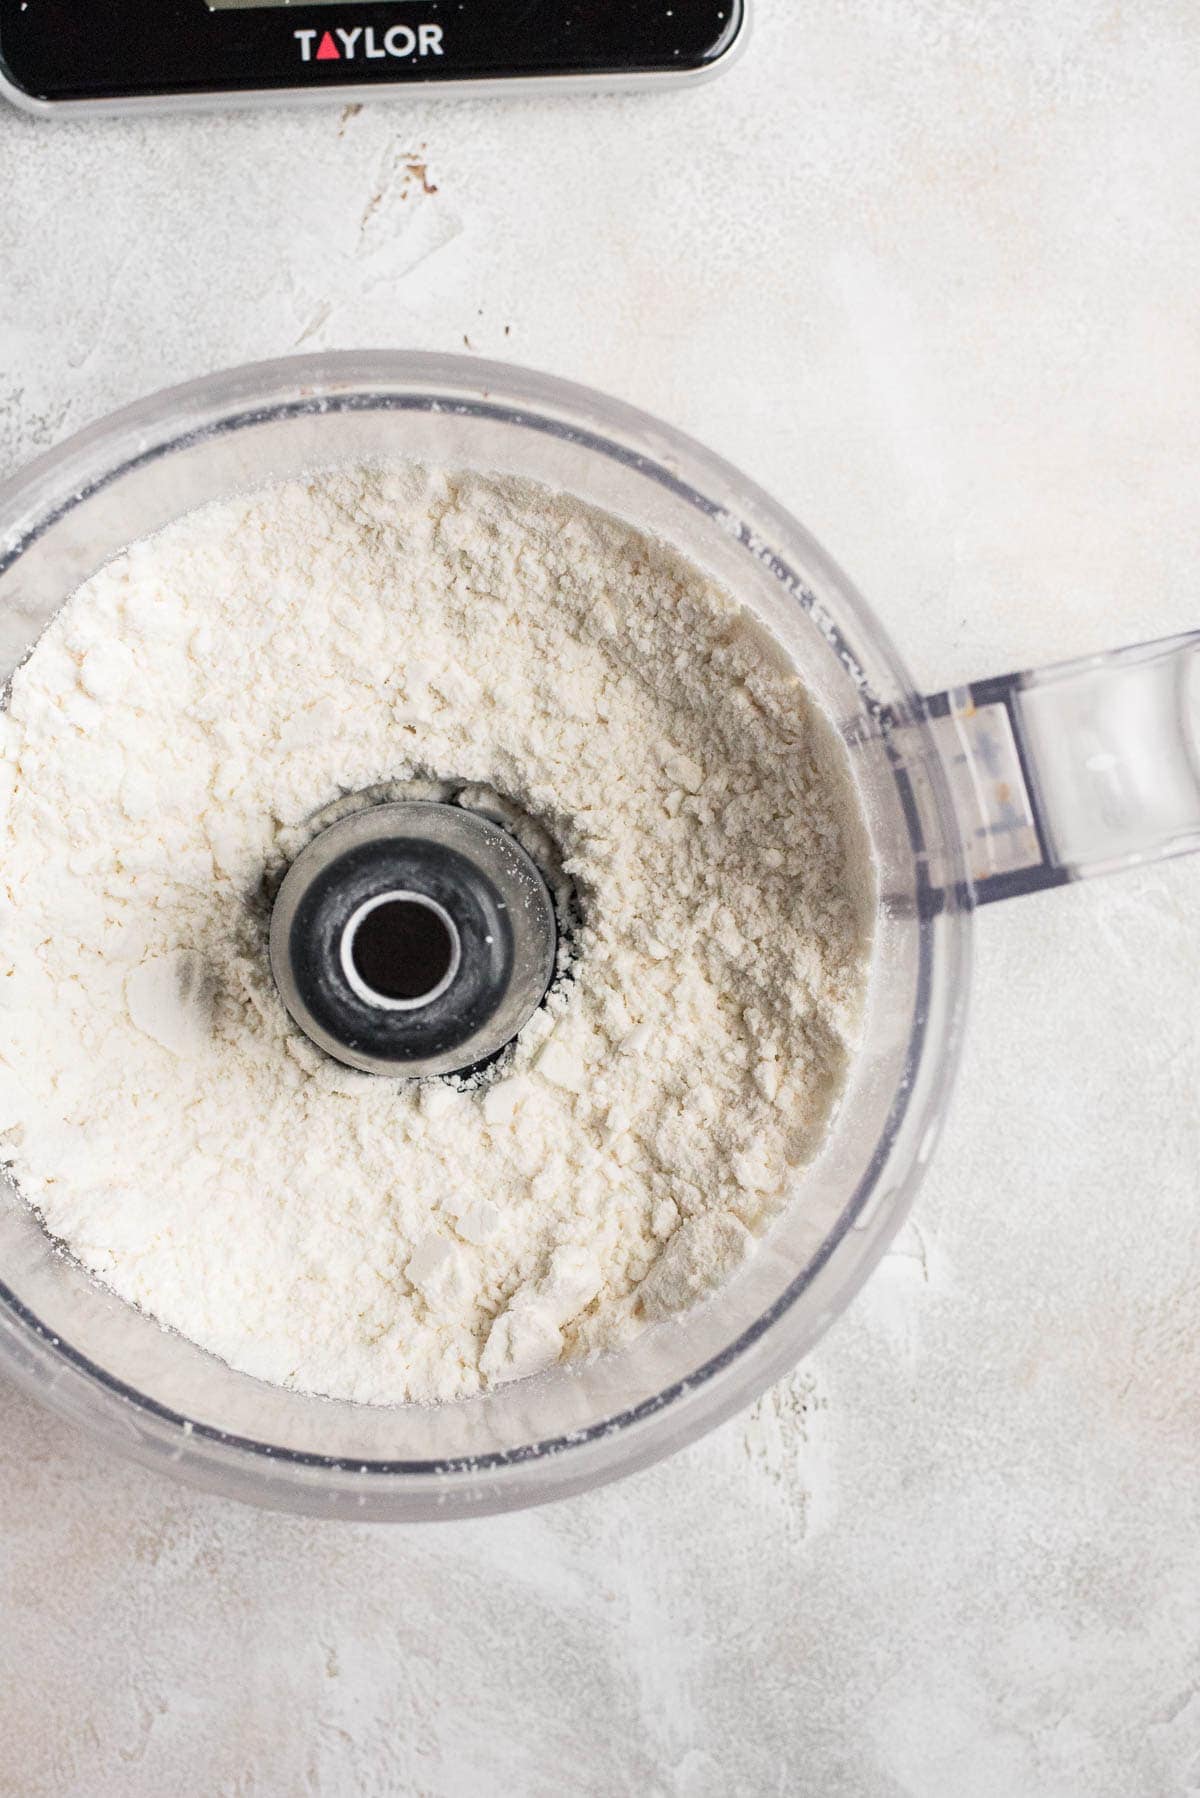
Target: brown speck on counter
x,y
349,112
420,172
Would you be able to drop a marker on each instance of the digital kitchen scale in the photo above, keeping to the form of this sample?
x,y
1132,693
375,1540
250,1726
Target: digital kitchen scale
x,y
75,55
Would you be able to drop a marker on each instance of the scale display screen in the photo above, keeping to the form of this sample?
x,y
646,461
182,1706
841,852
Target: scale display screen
x,y
146,50
262,5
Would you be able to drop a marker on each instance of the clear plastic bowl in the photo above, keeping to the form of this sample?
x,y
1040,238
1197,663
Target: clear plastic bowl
x,y
161,1399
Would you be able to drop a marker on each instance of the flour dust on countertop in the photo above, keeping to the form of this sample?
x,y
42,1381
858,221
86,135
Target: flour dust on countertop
x,y
216,686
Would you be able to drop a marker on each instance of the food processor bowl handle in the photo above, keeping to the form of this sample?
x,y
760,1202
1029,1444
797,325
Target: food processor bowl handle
x,y
1077,769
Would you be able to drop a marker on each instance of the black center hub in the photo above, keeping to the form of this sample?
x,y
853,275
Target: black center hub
x,y
413,939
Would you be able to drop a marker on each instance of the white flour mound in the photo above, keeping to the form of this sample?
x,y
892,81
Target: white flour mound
x,y
213,688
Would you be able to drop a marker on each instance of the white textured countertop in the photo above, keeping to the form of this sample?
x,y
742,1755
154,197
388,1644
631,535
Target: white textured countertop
x,y
929,270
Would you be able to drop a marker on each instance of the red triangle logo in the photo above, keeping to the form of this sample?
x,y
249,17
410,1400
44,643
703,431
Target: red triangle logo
x,y
327,50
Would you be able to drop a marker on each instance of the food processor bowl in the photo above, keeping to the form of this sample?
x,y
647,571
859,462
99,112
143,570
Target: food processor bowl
x,y
969,795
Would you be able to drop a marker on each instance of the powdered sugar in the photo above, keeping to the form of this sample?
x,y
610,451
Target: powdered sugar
x,y
213,689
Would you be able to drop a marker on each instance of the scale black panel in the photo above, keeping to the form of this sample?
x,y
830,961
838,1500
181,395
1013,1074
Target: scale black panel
x,y
142,50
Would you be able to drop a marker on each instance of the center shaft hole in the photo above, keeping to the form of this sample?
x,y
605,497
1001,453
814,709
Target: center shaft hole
x,y
403,949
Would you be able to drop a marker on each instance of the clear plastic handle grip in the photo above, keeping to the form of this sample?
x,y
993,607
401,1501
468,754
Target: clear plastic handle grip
x,y
1077,769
